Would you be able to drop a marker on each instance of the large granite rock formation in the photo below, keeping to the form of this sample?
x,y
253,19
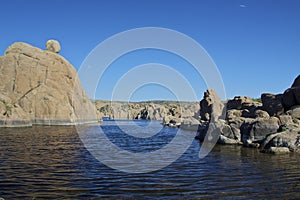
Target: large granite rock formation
x,y
40,87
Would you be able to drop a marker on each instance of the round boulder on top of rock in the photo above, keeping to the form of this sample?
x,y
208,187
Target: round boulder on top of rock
x,y
53,46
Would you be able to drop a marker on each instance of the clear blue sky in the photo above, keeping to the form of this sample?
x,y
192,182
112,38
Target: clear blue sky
x,y
255,43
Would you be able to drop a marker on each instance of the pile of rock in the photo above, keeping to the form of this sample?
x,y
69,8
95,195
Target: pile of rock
x,y
272,124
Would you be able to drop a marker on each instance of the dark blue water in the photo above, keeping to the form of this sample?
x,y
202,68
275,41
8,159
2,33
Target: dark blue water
x,y
52,163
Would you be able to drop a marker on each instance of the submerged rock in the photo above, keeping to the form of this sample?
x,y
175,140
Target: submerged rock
x,y
277,150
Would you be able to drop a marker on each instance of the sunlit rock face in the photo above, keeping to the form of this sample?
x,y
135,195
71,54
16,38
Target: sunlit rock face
x,y
40,87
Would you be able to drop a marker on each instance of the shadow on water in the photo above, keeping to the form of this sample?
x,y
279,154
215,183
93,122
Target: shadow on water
x,y
51,162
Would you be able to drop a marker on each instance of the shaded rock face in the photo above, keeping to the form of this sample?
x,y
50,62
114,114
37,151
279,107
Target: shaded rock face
x,y
40,87
272,104
238,103
289,139
296,82
258,130
291,96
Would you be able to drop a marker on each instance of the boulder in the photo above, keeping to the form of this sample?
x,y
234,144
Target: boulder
x,y
227,136
295,112
272,104
235,128
53,46
45,86
211,106
190,121
233,114
289,139
291,96
205,107
227,132
226,140
261,114
242,102
258,130
171,121
277,150
252,106
296,82
247,114
237,102
285,119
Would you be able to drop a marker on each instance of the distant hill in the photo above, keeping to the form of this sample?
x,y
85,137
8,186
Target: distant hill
x,y
151,110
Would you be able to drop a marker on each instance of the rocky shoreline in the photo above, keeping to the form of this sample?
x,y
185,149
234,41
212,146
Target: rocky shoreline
x,y
271,123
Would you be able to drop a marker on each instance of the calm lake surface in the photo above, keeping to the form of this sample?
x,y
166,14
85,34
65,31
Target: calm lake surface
x,y
45,162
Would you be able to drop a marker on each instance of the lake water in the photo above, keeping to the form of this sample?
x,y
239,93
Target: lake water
x,y
46,162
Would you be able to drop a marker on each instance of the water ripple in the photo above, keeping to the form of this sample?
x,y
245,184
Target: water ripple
x,y
51,163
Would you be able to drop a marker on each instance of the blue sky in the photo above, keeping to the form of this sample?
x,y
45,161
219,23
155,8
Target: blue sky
x,y
254,43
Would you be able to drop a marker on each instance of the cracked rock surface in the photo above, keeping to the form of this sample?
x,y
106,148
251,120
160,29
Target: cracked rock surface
x,y
40,87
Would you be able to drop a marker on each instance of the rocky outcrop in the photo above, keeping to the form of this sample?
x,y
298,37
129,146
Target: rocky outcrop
x,y
245,105
170,112
211,106
40,87
273,125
